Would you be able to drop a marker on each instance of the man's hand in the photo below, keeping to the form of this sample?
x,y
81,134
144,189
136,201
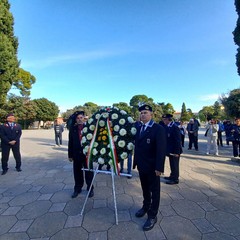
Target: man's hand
x,y
70,159
12,142
158,173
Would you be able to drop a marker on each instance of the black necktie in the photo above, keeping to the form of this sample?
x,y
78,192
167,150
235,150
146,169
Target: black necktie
x,y
142,129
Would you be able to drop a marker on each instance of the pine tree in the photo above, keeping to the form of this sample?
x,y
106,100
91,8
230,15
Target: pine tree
x,y
8,51
184,113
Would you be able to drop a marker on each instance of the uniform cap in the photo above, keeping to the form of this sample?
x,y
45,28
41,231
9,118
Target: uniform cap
x,y
10,115
145,107
167,115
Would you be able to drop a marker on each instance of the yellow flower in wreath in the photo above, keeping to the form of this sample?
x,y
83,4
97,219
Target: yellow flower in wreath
x,y
104,138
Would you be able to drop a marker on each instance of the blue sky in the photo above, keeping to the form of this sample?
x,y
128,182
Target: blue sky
x,y
107,51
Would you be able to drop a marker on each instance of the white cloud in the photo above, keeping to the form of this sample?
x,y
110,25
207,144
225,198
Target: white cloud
x,y
209,97
62,59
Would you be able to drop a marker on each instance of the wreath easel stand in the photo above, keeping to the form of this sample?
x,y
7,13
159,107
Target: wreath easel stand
x,y
96,171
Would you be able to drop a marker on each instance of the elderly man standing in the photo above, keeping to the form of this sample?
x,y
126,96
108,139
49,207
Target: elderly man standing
x,y
192,129
75,154
10,139
149,157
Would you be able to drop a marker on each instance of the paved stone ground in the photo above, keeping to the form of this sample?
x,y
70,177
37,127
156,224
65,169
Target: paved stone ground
x,y
37,204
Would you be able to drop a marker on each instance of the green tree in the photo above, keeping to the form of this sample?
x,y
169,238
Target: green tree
x,y
24,82
8,51
206,113
123,106
23,108
236,35
46,110
135,101
167,108
231,103
184,114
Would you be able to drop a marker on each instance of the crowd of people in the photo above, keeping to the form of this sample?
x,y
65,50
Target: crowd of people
x,y
153,143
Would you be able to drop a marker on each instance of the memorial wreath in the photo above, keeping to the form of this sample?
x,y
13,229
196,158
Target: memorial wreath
x,y
107,137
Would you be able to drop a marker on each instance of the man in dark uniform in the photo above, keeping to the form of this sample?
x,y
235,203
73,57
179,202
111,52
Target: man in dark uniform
x,y
10,139
75,154
149,157
174,148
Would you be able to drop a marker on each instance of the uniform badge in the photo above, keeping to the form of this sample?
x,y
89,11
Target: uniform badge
x,y
148,140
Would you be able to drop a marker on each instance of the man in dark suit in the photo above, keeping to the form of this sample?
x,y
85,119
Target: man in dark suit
x,y
76,155
10,139
149,157
174,148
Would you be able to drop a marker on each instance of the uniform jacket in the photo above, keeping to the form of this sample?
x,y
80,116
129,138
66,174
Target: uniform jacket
x,y
150,148
74,145
236,132
9,133
174,145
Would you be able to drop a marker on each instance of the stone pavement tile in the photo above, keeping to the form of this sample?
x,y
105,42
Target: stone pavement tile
x,y
165,199
124,216
74,221
188,209
57,207
24,199
15,236
21,226
2,190
167,211
126,231
6,223
71,234
3,207
178,228
99,219
6,199
68,187
204,226
225,204
207,206
224,222
238,215
175,196
34,210
101,184
50,188
61,196
124,202
46,196
98,236
155,233
47,225
11,211
217,236
35,189
209,192
193,195
98,203
17,190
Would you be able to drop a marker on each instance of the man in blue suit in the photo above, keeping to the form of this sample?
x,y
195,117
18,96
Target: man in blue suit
x,y
10,139
149,157
174,148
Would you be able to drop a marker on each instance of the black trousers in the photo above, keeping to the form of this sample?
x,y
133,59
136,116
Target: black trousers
x,y
151,192
174,167
78,163
5,155
58,138
236,148
193,140
219,138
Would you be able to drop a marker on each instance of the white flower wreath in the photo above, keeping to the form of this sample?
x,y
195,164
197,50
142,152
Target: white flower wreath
x,y
122,131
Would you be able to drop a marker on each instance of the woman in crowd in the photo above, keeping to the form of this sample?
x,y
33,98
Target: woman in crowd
x,y
211,134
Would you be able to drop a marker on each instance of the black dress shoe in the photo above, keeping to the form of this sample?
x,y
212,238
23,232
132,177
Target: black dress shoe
x,y
168,178
149,224
18,169
140,213
91,194
172,182
4,171
75,193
